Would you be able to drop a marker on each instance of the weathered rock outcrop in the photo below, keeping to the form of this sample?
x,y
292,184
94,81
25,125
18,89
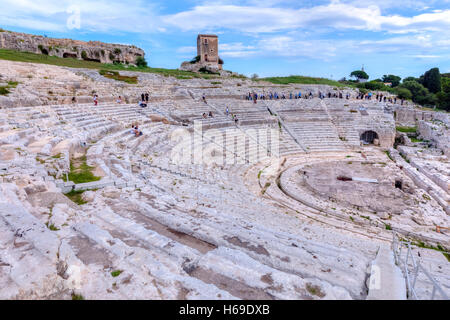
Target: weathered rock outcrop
x,y
68,48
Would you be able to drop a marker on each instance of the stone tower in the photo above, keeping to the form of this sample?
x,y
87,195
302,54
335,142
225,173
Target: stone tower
x,y
208,48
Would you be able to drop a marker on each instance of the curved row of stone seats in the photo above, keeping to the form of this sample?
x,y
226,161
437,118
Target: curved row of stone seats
x,y
84,254
317,136
205,195
286,144
261,249
167,241
435,166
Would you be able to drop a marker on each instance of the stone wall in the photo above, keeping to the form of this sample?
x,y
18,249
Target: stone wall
x,y
437,132
409,116
67,48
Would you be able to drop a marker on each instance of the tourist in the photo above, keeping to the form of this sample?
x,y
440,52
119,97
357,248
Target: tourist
x,y
95,100
147,97
210,114
227,111
204,99
137,132
142,97
74,100
119,100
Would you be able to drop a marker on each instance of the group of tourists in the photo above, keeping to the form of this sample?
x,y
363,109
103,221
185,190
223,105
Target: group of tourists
x,y
393,100
310,95
210,114
291,96
233,116
145,98
379,97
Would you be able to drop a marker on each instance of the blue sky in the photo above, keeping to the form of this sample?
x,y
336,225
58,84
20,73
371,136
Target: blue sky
x,y
326,38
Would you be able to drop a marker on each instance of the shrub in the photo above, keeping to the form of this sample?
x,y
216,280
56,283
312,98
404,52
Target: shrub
x,y
83,55
76,197
117,51
4,91
195,60
116,273
403,93
141,62
111,56
43,50
77,297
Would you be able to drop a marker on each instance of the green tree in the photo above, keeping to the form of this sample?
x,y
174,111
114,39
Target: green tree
x,y
410,79
141,62
403,93
444,95
359,74
418,91
374,85
395,80
432,80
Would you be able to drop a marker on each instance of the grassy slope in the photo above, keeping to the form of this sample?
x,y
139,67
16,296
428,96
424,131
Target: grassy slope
x,y
13,55
303,80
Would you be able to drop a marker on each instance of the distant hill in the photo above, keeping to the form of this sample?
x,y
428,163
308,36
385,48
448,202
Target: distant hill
x,y
95,51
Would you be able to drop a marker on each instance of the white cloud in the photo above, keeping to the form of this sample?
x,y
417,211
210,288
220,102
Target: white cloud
x,y
96,16
422,56
336,15
187,49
